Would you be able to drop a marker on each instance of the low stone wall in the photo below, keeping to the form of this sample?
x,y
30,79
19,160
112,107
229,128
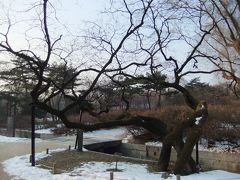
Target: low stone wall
x,y
3,132
133,150
208,160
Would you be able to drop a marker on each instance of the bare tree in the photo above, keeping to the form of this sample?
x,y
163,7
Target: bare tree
x,y
225,37
142,44
149,53
45,88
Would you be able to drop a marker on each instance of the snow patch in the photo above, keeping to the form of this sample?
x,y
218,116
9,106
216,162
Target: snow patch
x,y
117,133
45,131
156,144
16,139
220,146
202,107
127,138
20,167
198,119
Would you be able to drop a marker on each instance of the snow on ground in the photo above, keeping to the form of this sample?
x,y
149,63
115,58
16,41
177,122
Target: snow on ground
x,y
156,144
127,138
20,167
45,131
16,139
117,133
220,147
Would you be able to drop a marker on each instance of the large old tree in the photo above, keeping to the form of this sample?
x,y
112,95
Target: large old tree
x,y
154,36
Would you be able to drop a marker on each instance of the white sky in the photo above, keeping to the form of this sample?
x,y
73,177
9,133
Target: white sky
x,y
72,14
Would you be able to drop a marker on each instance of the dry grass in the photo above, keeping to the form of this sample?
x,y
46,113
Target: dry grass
x,y
223,122
66,161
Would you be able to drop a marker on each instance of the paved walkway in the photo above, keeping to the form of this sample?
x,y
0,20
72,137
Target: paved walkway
x,y
9,150
12,149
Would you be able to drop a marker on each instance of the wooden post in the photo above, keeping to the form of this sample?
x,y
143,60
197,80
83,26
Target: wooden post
x,y
178,177
47,151
116,158
116,165
111,175
69,147
164,175
54,168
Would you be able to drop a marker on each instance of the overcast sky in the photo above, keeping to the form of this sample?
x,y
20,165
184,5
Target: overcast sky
x,y
72,14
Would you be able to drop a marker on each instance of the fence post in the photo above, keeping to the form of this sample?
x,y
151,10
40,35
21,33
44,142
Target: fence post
x,y
111,175
178,177
47,151
54,168
30,159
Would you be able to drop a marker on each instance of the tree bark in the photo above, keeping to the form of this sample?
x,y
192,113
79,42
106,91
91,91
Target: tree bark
x,y
184,155
184,163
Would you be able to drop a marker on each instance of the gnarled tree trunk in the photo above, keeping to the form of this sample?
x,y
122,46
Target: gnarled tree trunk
x,y
184,163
